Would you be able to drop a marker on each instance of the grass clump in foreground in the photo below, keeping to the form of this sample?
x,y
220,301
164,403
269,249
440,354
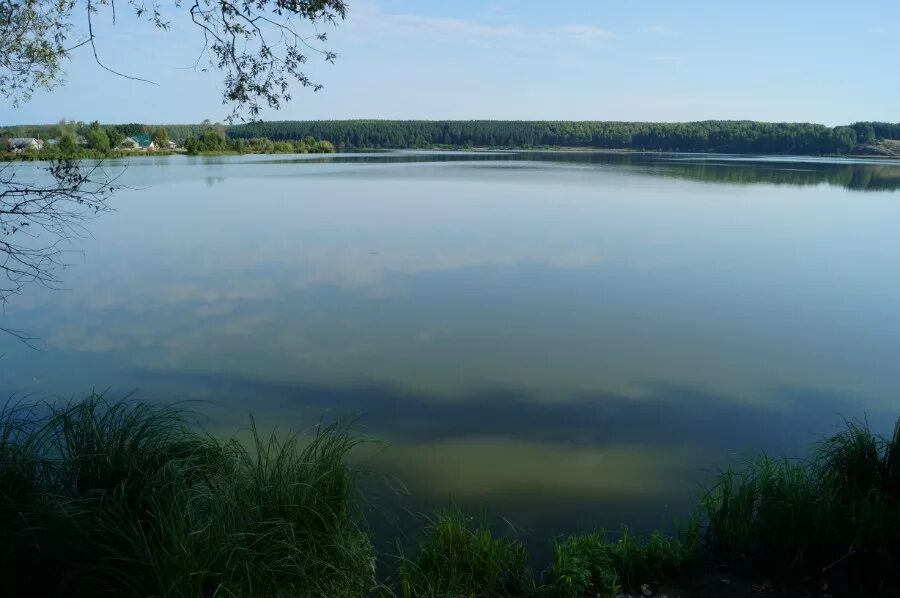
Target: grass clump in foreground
x,y
834,517
128,499
460,557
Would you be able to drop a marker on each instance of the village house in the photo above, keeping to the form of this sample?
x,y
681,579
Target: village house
x,y
21,144
144,141
140,141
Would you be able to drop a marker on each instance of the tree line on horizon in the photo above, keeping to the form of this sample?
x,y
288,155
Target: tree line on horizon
x,y
701,136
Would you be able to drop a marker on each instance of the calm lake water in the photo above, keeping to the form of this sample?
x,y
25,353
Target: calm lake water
x,y
568,340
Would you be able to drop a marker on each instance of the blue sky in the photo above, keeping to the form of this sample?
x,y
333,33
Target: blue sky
x,y
801,60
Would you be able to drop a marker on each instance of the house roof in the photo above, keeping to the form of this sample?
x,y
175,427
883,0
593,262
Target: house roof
x,y
142,139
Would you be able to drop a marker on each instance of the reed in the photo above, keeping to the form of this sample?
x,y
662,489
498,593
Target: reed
x,y
128,498
461,557
834,517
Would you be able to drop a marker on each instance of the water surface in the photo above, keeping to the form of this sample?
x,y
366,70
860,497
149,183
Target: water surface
x,y
565,339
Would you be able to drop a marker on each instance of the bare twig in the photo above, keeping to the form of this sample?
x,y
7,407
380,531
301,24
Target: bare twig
x,y
91,37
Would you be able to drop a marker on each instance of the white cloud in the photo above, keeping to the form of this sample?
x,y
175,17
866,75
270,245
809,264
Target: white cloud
x,y
660,29
375,20
453,27
580,32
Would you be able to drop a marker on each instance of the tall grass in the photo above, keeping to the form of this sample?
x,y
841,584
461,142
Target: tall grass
x,y
460,557
126,498
834,517
583,566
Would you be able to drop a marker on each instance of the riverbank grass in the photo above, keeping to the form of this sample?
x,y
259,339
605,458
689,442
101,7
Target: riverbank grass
x,y
130,499
127,498
460,556
834,518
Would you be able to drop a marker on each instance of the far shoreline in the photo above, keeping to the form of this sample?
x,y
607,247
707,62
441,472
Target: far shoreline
x,y
116,155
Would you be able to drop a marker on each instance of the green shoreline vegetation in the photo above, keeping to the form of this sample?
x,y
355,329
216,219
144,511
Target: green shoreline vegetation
x,y
703,136
133,498
80,141
868,139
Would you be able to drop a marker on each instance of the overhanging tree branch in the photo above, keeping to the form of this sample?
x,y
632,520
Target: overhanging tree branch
x,y
256,44
41,208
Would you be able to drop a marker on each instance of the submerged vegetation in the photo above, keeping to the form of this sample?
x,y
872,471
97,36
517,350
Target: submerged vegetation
x,y
127,498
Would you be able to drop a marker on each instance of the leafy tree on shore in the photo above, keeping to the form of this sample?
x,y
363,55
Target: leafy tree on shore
x,y
68,142
130,129
213,136
213,139
115,136
97,138
67,128
325,147
865,132
161,138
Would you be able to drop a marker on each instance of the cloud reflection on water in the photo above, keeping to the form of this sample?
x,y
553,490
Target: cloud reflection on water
x,y
592,327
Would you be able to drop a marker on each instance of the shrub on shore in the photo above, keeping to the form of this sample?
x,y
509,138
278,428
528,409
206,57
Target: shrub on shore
x,y
593,565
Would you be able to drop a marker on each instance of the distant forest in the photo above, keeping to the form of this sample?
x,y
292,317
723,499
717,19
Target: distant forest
x,y
704,136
